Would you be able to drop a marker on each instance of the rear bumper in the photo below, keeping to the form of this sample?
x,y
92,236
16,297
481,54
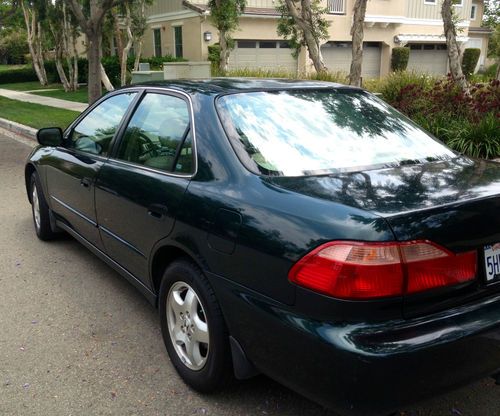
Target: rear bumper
x,y
365,368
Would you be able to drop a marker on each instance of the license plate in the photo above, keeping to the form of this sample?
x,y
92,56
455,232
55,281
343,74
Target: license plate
x,y
492,262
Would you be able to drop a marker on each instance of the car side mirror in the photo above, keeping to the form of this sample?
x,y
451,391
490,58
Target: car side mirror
x,y
51,136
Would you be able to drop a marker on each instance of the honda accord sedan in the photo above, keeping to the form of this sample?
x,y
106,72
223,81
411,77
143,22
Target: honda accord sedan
x,y
303,230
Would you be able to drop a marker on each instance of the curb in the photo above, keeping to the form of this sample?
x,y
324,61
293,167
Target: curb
x,y
17,128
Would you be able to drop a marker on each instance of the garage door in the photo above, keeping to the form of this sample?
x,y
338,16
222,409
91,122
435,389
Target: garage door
x,y
263,54
428,58
338,55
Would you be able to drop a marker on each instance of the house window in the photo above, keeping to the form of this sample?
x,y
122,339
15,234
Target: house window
x,y
157,41
178,41
432,2
458,3
473,12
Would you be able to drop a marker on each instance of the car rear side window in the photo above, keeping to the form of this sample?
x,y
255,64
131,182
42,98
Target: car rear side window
x,y
308,132
156,133
93,134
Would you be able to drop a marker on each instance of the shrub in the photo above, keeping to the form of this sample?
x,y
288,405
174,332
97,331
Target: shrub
x,y
469,61
390,87
399,59
468,123
18,75
13,48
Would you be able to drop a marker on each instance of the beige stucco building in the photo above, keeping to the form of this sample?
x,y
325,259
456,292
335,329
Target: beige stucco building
x,y
183,28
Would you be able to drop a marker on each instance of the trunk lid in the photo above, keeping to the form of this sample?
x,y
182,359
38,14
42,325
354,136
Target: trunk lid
x,y
453,203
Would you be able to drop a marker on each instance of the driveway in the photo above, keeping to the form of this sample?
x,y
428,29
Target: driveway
x,y
77,339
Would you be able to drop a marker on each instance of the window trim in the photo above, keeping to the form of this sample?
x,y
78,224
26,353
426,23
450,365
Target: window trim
x,y
430,2
473,7
461,4
154,29
174,29
112,155
91,108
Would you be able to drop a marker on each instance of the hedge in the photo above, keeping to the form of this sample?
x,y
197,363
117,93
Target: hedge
x,y
399,59
469,60
17,75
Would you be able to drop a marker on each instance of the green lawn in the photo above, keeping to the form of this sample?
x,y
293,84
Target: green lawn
x,y
27,86
80,96
35,115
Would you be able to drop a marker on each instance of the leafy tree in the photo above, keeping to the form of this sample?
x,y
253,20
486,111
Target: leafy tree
x,y
454,55
64,31
302,22
357,34
90,16
34,12
225,15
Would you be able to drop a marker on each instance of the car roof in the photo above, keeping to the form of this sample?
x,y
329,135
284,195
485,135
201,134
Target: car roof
x,y
231,85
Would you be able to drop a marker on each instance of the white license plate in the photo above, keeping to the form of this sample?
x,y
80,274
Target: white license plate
x,y
492,261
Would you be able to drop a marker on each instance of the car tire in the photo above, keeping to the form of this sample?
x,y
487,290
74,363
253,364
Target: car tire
x,y
193,327
40,210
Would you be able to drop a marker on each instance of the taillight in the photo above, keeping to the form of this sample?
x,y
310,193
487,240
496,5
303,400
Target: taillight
x,y
358,270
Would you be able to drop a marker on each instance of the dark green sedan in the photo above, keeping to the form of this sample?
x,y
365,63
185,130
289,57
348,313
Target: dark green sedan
x,y
303,230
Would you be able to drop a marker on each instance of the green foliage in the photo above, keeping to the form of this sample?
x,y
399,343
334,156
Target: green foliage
x,y
467,122
225,14
399,59
17,75
13,47
469,61
390,87
288,28
214,56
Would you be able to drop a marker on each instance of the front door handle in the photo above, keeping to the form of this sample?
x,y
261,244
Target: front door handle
x,y
157,211
85,182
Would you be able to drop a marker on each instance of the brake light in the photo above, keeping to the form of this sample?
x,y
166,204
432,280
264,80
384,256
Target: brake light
x,y
358,270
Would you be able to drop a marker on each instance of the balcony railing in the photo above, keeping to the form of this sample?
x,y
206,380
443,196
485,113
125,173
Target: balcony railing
x,y
336,6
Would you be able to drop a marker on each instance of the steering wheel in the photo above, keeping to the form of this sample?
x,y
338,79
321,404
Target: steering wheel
x,y
146,146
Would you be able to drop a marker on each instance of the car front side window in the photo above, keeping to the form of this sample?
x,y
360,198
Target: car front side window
x,y
159,134
93,134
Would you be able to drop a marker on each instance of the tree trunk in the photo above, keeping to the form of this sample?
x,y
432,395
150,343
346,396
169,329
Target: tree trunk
x,y
224,52
93,29
139,38
454,55
118,35
94,60
138,53
357,34
303,18
105,80
127,47
31,28
62,74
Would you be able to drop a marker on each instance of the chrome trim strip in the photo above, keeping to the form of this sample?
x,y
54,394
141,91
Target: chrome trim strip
x,y
121,240
74,211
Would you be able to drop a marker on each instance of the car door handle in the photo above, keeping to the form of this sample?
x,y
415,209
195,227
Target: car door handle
x,y
85,182
157,211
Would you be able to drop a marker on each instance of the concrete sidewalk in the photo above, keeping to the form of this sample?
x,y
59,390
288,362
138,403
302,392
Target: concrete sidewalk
x,y
42,100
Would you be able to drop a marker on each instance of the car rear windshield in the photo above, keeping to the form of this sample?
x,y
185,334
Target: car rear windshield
x,y
309,132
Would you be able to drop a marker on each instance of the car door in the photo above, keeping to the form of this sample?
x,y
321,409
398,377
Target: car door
x,y
71,174
140,188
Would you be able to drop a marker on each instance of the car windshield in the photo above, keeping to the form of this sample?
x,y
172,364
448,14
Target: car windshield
x,y
308,132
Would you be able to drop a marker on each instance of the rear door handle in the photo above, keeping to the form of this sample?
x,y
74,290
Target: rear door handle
x,y
85,182
157,211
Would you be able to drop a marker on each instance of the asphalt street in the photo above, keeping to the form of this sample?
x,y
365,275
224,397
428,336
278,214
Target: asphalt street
x,y
77,339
